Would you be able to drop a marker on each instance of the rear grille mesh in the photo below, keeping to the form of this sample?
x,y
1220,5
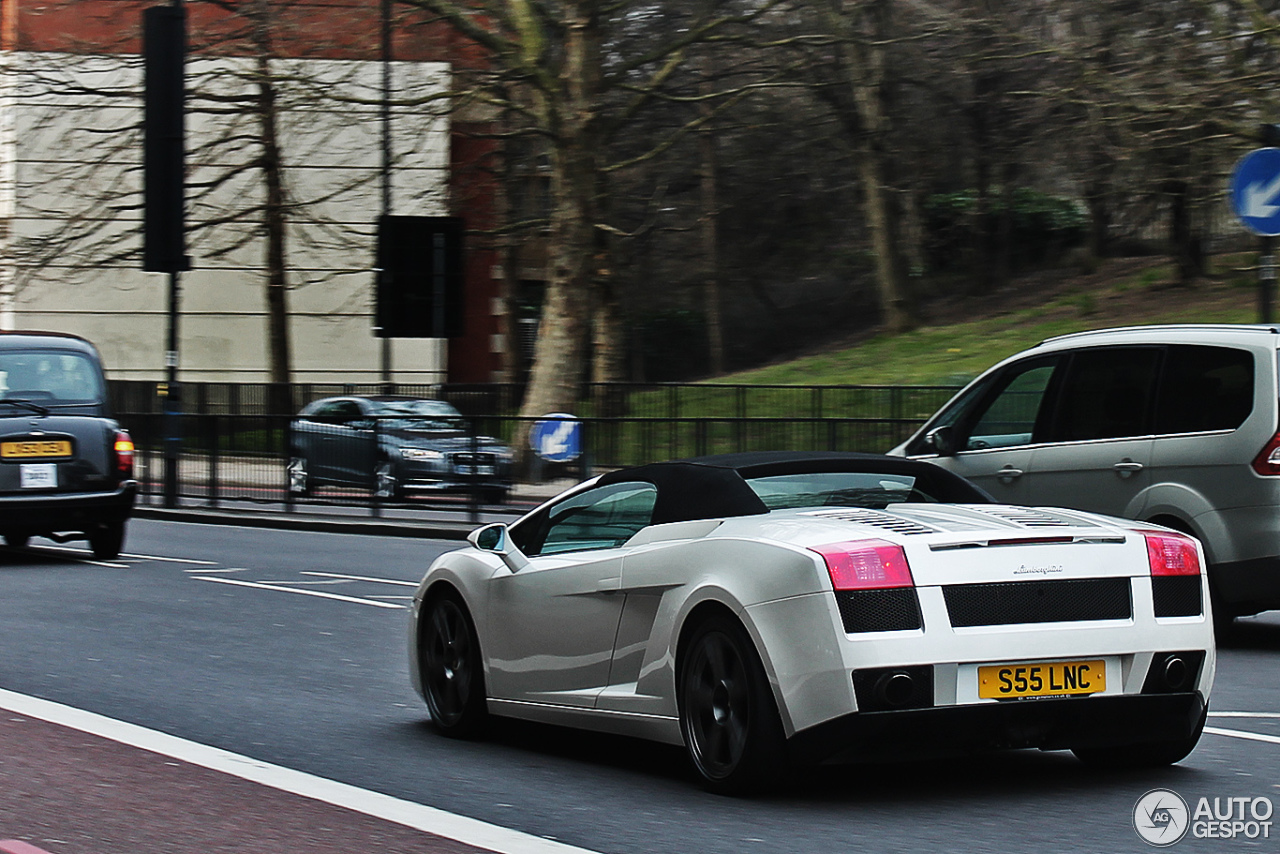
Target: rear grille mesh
x,y
887,521
1030,517
1177,595
1071,600
895,609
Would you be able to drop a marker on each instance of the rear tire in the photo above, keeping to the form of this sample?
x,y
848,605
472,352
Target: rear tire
x,y
450,667
730,723
107,540
1154,755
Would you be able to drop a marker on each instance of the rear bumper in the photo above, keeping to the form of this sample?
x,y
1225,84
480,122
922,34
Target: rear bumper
x,y
64,512
1046,724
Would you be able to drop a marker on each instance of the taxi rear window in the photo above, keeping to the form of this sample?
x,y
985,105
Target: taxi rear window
x,y
50,377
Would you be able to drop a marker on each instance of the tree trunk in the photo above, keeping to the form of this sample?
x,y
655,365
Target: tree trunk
x,y
866,26
274,214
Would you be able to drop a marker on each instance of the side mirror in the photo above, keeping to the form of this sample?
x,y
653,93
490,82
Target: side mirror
x,y
943,440
495,539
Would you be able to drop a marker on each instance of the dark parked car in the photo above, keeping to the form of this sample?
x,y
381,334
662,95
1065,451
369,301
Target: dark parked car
x,y
395,446
66,467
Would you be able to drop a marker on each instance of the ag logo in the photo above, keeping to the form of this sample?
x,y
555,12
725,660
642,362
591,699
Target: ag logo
x,y
1161,817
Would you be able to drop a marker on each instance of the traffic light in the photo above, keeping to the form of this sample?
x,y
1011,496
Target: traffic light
x,y
420,283
164,50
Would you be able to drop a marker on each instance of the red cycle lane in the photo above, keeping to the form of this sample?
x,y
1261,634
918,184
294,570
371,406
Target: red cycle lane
x,y
74,782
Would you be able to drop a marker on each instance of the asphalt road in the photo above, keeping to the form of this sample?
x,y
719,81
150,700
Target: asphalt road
x,y
288,647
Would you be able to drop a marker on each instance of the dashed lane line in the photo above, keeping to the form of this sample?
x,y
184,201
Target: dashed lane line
x,y
1263,715
282,589
468,831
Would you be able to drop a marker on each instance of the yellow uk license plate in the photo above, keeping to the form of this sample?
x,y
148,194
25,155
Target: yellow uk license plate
x,y
1050,679
35,449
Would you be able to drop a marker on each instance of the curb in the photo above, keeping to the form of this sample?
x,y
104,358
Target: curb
x,y
422,529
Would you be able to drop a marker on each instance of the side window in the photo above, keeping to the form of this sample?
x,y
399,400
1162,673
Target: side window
x,y
1204,388
1009,418
602,518
1107,394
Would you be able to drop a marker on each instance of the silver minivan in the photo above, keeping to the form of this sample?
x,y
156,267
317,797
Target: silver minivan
x,y
1174,425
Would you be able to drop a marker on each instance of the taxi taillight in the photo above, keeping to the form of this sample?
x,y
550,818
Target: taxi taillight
x,y
1171,554
866,565
124,454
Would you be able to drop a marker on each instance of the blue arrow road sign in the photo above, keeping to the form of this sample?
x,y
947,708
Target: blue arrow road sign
x,y
1255,191
557,438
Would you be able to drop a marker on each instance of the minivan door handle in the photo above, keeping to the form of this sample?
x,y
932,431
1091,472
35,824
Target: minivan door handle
x,y
1009,473
1127,467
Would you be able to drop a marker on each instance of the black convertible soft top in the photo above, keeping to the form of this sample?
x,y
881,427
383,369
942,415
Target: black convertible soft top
x,y
716,486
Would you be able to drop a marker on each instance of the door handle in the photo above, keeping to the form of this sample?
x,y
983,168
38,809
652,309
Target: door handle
x,y
1009,473
1127,467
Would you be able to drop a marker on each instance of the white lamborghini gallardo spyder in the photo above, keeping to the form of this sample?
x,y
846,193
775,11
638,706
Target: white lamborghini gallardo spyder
x,y
774,609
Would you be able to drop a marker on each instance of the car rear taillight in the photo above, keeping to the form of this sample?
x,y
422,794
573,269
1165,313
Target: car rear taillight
x,y
1267,462
123,449
866,565
1171,554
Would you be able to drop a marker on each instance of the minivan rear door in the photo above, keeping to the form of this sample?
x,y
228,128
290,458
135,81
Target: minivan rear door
x,y
1096,449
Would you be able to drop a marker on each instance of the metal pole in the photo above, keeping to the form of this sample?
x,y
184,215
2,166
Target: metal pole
x,y
173,396
386,168
1266,279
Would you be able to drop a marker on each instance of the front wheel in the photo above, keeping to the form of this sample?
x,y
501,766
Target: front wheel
x,y
728,717
450,668
106,540
1153,755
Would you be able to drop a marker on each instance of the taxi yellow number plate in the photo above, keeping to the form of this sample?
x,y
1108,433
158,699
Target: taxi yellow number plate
x,y
35,449
1050,679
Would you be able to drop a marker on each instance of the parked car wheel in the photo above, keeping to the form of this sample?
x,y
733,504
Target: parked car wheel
x,y
299,476
106,540
385,482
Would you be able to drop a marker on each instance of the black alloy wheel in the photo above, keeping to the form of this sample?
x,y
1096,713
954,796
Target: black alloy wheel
x,y
728,717
449,664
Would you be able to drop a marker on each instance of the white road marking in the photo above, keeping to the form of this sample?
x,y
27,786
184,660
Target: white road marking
x,y
1250,736
1244,714
362,578
468,831
220,569
80,552
318,593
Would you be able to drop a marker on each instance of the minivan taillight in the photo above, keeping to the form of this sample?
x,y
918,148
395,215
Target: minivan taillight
x,y
1267,462
123,449
866,565
1171,554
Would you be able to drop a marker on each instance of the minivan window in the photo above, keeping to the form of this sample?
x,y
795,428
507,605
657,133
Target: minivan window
x,y
1106,394
1204,388
1010,417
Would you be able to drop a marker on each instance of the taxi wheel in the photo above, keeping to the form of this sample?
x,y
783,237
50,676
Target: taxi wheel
x,y
17,541
728,717
106,540
1152,755
450,668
